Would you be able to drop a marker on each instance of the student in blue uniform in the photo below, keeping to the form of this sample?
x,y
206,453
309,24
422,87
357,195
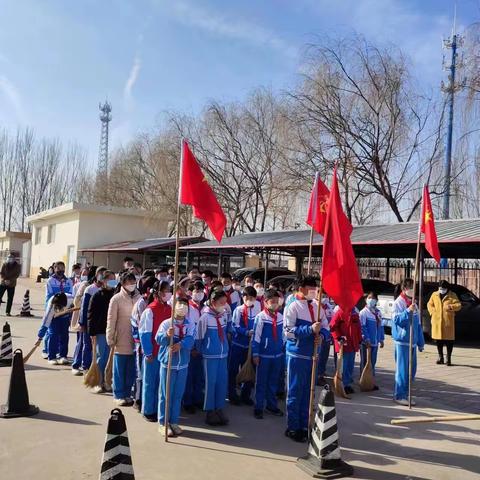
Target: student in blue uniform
x,y
193,396
242,331
403,308
373,334
301,325
57,283
57,328
267,353
183,332
233,297
212,343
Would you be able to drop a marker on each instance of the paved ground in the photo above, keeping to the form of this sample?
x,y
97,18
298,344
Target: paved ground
x,y
65,441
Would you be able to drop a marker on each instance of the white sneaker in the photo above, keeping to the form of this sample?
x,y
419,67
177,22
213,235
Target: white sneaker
x,y
53,362
76,372
170,433
176,429
404,401
98,389
44,355
64,361
121,402
107,388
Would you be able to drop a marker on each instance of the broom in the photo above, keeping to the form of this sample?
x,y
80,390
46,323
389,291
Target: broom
x,y
367,381
30,353
247,372
337,379
65,311
107,378
92,377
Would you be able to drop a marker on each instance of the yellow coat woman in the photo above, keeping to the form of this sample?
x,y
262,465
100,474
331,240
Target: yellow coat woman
x,y
442,312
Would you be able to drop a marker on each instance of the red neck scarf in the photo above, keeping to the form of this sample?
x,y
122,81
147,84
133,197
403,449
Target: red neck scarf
x,y
219,327
229,296
195,305
408,300
245,314
273,316
181,333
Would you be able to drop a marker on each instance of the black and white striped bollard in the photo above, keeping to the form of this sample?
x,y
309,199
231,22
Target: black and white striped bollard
x,y
6,350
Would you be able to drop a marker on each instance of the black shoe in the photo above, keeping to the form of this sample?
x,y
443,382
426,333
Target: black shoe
x,y
275,411
129,402
212,418
198,405
375,388
321,381
190,409
290,433
449,362
440,361
248,401
8,314
349,390
151,418
137,406
295,435
304,435
222,417
235,401
258,414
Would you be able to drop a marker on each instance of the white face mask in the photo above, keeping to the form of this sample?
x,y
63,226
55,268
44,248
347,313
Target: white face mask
x,y
181,310
249,303
237,287
280,301
443,291
371,302
249,284
129,288
83,278
312,294
167,296
227,288
409,293
260,291
220,309
197,296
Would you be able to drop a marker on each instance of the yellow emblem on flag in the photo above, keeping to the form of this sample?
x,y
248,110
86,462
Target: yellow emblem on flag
x,y
428,216
323,204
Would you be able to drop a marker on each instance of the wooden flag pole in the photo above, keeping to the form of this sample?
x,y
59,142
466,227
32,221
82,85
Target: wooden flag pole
x,y
317,343
174,302
310,251
450,418
411,315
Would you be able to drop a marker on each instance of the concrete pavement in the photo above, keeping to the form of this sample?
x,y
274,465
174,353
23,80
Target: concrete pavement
x,y
65,441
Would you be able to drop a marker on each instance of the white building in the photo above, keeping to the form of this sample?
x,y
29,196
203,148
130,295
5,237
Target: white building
x,y
61,232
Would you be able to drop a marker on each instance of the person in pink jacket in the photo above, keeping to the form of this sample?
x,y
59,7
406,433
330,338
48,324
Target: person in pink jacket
x,y
119,336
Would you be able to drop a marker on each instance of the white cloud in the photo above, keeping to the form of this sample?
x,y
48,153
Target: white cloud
x,y
229,27
11,93
132,79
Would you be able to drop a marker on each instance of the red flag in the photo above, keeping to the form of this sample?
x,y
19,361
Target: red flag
x,y
317,210
427,226
195,191
340,276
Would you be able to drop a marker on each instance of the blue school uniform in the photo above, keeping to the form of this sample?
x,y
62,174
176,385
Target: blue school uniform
x,y
184,333
267,344
401,337
242,323
212,343
193,395
57,329
298,318
373,332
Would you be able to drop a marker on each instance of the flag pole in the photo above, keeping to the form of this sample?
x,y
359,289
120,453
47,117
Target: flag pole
x,y
411,315
310,251
317,343
174,302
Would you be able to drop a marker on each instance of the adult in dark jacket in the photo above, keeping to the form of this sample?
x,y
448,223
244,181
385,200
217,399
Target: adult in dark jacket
x,y
9,273
97,322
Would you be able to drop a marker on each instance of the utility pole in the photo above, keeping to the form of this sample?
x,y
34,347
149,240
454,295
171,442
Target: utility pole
x,y
105,118
453,43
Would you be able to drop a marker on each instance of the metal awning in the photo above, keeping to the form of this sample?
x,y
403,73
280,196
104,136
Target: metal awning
x,y
457,239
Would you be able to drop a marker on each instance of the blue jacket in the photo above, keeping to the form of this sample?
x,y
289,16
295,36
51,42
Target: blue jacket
x,y
208,341
57,285
401,325
372,329
48,316
263,343
297,322
240,331
180,359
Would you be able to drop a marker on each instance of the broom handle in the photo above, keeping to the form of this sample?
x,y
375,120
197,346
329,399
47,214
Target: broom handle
x,y
450,418
30,353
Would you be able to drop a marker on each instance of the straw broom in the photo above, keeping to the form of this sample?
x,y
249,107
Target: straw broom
x,y
92,377
247,372
337,379
367,381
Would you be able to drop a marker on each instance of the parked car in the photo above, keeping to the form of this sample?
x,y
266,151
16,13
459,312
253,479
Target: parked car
x,y
384,290
259,273
286,281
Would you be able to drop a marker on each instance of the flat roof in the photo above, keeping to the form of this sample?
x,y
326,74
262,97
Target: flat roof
x,y
88,208
9,234
457,239
139,246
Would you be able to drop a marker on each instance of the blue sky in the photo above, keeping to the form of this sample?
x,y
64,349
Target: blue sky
x,y
59,58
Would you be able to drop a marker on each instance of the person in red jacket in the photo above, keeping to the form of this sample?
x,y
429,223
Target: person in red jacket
x,y
346,329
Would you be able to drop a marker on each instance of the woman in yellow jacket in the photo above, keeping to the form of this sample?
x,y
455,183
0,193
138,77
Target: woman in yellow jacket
x,y
442,307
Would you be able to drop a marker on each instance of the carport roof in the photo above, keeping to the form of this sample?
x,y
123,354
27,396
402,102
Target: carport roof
x,y
457,239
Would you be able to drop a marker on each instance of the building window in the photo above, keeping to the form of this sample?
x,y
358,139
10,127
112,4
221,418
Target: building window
x,y
51,233
38,235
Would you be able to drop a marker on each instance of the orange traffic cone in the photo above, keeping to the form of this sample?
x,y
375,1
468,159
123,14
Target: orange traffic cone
x,y
18,404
